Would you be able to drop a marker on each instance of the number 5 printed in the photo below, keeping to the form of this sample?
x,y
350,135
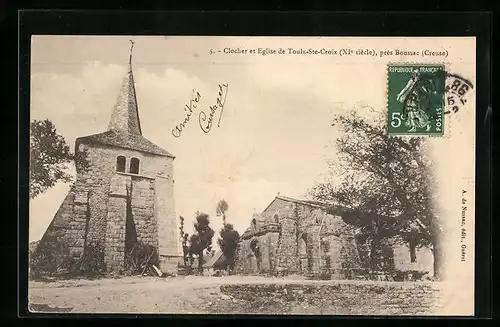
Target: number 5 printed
x,y
396,119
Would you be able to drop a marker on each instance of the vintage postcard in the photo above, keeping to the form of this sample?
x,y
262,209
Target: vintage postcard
x,y
252,175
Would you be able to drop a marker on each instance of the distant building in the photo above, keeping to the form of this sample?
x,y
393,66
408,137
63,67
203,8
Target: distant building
x,y
125,195
216,262
294,236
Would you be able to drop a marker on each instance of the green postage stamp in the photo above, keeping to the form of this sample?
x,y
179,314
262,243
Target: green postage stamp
x,y
416,99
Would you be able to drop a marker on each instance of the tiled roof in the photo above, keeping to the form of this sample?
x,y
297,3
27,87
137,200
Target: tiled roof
x,y
217,259
124,128
125,140
332,209
125,116
308,203
304,202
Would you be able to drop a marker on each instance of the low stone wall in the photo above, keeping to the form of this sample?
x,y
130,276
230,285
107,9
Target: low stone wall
x,y
337,298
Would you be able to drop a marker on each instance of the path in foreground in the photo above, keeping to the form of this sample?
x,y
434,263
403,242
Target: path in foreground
x,y
186,294
182,295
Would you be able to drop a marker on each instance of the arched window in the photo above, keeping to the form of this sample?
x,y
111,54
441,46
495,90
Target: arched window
x,y
276,219
134,166
121,163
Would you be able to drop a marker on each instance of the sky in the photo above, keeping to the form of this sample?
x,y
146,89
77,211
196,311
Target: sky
x,y
275,134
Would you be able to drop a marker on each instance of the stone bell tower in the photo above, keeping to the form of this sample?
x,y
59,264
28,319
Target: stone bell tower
x,y
124,194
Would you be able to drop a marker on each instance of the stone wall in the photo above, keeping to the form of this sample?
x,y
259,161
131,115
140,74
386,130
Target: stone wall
x,y
142,205
305,231
94,211
167,223
271,251
337,298
287,261
97,176
305,227
74,219
114,248
238,261
65,236
343,256
280,208
246,262
131,197
158,168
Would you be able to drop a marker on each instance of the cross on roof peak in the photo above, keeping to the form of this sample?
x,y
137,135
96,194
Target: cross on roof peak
x,y
125,116
131,48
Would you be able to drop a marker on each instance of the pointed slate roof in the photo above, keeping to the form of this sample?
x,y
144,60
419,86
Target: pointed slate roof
x,y
125,116
124,129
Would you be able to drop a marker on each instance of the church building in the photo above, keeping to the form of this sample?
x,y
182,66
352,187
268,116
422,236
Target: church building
x,y
293,236
123,194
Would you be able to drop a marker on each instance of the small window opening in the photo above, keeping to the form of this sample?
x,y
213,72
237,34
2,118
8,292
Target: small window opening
x,y
134,166
120,164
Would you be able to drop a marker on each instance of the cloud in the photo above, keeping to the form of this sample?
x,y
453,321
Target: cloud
x,y
78,105
272,136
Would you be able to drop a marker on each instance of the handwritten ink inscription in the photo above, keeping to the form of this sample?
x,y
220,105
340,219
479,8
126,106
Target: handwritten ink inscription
x,y
206,123
188,108
205,120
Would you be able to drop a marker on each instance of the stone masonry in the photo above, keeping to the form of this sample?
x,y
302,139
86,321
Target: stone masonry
x,y
297,237
347,297
122,176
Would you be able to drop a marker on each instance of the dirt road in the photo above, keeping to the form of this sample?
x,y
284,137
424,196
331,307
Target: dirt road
x,y
186,294
202,295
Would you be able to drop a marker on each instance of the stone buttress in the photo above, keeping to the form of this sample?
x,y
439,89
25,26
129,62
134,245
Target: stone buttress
x,y
124,183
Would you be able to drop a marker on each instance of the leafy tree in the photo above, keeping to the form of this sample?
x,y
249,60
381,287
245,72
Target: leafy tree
x,y
221,209
49,156
228,242
385,186
202,239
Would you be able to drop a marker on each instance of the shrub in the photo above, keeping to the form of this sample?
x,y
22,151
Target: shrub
x,y
91,264
51,259
325,275
403,275
140,259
